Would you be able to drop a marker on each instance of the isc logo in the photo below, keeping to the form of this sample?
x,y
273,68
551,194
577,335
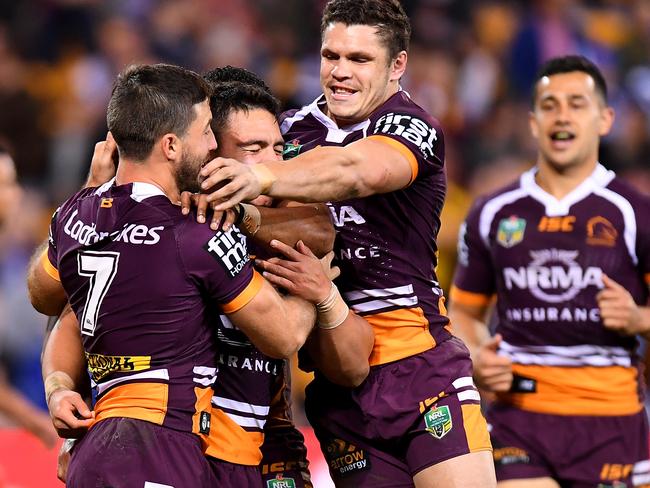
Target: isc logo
x,y
556,224
227,250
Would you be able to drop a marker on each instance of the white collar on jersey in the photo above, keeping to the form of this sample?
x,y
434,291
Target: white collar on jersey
x,y
599,178
139,192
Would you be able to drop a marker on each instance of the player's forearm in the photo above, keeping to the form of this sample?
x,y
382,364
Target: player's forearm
x,y
644,324
46,295
309,223
342,353
63,353
468,327
16,407
320,175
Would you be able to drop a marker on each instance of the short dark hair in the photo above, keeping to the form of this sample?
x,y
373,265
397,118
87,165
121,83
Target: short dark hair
x,y
149,101
237,89
568,64
388,16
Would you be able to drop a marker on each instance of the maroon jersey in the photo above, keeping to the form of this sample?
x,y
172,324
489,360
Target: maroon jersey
x,y
147,285
385,243
544,259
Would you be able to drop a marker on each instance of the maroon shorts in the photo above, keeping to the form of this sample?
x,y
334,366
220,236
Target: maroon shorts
x,y
284,458
406,416
577,451
124,452
231,474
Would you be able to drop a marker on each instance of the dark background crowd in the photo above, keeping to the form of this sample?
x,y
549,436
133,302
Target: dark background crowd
x,y
471,64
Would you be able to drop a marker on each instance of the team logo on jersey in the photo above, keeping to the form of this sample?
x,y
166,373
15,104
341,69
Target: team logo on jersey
x,y
554,275
281,482
601,232
438,421
410,128
229,250
511,231
291,149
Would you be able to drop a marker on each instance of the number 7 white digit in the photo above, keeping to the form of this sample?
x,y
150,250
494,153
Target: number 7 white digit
x,y
101,268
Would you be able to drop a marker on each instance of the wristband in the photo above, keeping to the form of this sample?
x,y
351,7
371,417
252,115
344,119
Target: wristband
x,y
248,219
265,177
332,311
57,381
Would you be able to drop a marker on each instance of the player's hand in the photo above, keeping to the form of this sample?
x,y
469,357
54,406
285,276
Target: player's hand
x,y
70,415
200,202
618,311
63,459
229,182
332,272
301,274
492,371
103,164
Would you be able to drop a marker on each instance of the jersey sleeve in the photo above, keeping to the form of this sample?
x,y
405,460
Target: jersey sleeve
x,y
49,259
414,133
474,279
642,210
220,263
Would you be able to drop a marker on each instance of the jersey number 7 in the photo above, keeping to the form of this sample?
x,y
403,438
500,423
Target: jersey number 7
x,y
101,268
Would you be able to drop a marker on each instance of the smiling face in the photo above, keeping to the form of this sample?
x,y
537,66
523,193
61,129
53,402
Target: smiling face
x,y
198,144
568,119
356,73
251,136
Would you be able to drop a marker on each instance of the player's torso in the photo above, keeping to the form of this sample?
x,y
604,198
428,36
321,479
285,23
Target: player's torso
x,y
549,257
144,324
385,243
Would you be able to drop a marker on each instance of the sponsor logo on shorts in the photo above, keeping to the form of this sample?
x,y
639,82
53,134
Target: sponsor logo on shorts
x,y
410,128
438,421
511,231
281,482
101,366
344,458
229,250
510,455
291,149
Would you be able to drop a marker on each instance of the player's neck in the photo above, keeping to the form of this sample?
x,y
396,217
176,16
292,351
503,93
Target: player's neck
x,y
143,172
559,182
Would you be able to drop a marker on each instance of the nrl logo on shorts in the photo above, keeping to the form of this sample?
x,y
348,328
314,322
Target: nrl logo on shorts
x,y
438,421
511,231
281,482
291,149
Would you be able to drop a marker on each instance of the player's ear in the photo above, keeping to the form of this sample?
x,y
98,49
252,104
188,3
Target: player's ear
x,y
532,123
398,66
606,121
170,145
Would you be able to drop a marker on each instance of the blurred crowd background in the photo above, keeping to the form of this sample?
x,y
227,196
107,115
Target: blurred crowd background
x,y
471,65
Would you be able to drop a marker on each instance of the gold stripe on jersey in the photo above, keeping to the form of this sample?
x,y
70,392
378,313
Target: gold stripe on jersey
x,y
399,334
143,401
468,298
476,430
241,300
101,366
229,442
48,267
584,390
405,151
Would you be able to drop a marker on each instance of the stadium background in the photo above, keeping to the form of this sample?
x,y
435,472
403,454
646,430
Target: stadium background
x,y
471,64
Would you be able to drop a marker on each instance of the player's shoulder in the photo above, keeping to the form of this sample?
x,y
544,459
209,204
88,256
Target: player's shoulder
x,y
301,118
629,192
508,193
402,104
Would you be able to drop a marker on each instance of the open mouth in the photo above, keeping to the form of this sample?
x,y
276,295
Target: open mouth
x,y
562,135
341,92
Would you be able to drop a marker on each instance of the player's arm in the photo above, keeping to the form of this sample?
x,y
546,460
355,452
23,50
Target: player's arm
x,y
620,313
372,165
43,285
467,313
64,376
277,325
341,343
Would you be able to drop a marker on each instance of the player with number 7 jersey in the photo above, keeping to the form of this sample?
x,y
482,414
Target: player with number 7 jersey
x,y
136,271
